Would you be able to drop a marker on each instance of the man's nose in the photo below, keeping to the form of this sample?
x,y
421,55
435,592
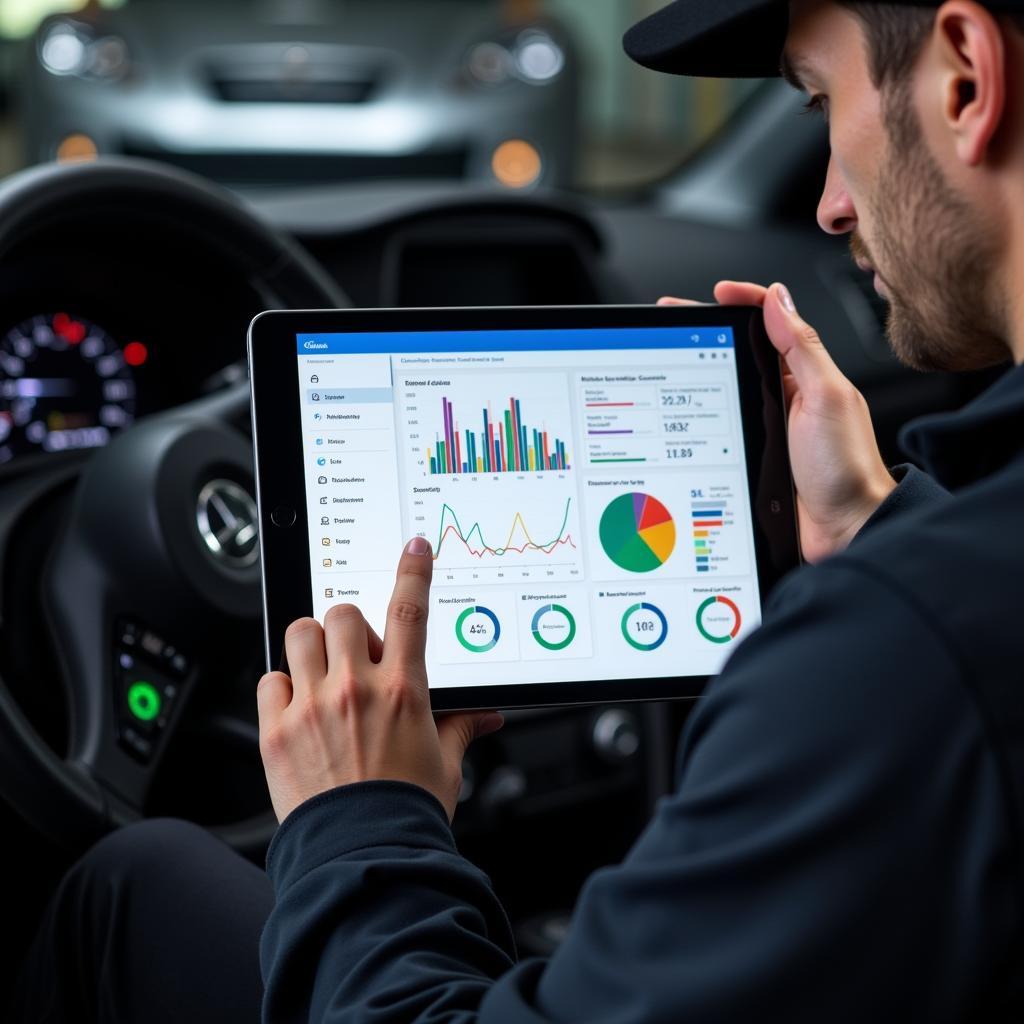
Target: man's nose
x,y
836,213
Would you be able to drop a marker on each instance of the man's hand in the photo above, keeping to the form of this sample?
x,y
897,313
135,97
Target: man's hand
x,y
356,708
839,473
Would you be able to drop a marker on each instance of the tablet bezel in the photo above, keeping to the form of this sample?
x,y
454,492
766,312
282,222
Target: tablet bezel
x,y
281,485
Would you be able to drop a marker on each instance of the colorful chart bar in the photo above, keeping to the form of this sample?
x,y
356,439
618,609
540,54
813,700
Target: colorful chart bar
x,y
706,525
505,445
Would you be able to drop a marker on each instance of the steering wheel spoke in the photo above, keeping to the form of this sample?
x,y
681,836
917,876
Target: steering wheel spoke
x,y
129,691
134,586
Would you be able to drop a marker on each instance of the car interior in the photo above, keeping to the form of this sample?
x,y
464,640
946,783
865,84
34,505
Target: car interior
x,y
161,256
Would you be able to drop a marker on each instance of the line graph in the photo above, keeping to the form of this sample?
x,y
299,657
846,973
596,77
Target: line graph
x,y
450,526
529,532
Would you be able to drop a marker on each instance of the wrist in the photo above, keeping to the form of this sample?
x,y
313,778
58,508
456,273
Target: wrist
x,y
882,487
823,538
874,494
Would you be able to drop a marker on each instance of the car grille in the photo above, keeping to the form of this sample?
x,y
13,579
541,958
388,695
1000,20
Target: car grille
x,y
282,89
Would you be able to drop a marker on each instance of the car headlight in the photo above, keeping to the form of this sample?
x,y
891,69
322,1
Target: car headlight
x,y
532,56
109,57
63,49
71,48
490,63
538,58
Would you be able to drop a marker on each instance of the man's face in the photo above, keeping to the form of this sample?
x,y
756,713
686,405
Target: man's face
x,y
933,255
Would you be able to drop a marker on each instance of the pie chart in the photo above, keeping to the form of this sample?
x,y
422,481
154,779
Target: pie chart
x,y
637,532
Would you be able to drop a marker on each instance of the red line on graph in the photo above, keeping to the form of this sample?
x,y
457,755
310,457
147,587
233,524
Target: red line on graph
x,y
567,539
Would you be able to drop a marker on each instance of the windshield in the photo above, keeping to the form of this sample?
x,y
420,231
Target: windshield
x,y
518,93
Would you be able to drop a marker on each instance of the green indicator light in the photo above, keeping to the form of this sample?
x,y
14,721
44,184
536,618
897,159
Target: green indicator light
x,y
144,701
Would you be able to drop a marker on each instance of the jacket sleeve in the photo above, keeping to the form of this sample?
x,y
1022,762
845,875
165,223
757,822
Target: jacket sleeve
x,y
915,489
835,850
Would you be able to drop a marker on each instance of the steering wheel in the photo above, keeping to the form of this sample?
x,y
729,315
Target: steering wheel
x,y
157,555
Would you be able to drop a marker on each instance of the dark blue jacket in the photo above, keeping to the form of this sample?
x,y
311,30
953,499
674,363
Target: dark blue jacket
x,y
843,842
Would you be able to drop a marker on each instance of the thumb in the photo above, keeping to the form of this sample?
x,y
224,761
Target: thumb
x,y
456,732
798,343
740,293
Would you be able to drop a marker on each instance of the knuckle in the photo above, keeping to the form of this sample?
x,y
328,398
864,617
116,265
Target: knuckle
x,y
416,568
347,696
836,397
810,335
301,627
407,612
400,695
267,679
340,614
274,743
842,393
309,711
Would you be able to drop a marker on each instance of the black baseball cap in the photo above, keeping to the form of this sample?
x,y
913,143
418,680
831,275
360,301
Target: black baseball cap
x,y
730,38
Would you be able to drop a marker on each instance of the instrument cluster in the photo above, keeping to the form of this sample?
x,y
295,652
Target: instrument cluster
x,y
65,383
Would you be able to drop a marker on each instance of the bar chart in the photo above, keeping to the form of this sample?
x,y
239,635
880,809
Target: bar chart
x,y
707,522
505,443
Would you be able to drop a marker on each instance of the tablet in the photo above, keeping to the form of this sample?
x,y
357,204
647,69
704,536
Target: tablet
x,y
606,489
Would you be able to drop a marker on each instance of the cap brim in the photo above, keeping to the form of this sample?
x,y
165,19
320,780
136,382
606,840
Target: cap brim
x,y
712,38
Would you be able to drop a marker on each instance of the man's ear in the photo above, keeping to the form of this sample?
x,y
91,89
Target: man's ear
x,y
971,54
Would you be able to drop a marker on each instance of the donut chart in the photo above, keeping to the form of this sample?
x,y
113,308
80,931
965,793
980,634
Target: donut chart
x,y
553,627
477,629
719,619
637,532
644,626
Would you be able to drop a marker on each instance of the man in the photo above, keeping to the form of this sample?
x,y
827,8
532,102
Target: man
x,y
844,842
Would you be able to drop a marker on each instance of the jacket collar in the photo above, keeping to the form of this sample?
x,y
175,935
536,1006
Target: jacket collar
x,y
978,440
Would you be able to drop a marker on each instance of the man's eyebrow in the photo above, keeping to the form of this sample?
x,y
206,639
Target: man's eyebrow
x,y
794,71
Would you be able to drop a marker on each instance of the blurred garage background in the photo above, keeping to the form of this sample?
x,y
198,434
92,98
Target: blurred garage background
x,y
520,93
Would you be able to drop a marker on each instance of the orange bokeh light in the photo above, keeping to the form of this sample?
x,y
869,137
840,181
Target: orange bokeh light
x,y
76,147
516,164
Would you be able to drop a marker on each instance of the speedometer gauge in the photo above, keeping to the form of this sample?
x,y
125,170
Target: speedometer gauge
x,y
64,384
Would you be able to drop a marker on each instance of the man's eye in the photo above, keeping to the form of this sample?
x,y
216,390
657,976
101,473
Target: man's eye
x,y
817,104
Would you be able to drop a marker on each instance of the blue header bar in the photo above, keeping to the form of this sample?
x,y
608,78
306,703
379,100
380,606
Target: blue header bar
x,y
570,340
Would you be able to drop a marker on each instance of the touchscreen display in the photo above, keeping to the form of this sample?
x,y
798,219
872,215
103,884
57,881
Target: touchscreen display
x,y
584,491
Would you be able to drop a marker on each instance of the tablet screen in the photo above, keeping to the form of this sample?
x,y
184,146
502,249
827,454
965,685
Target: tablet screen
x,y
584,491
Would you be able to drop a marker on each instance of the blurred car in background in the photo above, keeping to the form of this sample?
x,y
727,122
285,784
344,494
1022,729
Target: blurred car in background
x,y
264,93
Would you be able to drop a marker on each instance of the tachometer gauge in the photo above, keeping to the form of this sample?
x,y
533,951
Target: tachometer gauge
x,y
64,384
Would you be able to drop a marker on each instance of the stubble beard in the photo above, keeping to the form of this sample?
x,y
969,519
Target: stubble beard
x,y
937,260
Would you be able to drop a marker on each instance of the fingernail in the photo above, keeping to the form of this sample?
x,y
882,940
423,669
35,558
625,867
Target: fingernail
x,y
787,299
417,546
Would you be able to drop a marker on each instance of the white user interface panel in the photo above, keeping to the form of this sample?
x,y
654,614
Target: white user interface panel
x,y
584,491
